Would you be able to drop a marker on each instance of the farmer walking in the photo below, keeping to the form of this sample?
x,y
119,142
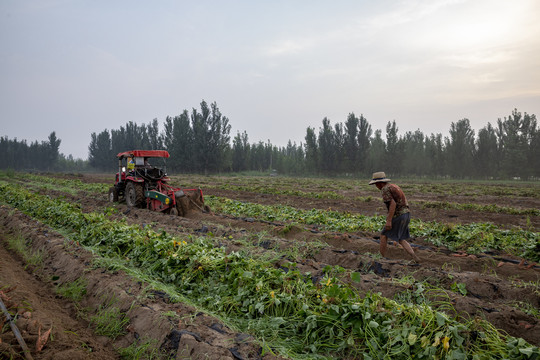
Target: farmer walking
x,y
398,217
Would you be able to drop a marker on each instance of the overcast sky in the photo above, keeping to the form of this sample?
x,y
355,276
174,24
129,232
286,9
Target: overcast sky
x,y
273,67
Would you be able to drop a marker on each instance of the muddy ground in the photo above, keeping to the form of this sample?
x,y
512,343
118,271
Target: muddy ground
x,y
496,286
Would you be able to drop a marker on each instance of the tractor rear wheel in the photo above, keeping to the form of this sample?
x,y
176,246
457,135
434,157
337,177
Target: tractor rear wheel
x,y
113,194
134,195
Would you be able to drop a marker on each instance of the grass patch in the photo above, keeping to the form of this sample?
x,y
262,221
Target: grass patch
x,y
109,320
73,291
146,350
20,245
526,308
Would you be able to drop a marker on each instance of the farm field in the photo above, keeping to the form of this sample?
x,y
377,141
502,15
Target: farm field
x,y
282,268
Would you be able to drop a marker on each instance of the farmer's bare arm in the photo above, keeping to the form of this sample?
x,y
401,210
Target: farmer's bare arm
x,y
391,211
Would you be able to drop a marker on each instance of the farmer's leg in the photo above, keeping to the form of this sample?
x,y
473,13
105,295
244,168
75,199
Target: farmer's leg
x,y
405,244
384,245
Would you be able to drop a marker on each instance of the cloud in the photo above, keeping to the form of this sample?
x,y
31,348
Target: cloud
x,y
405,12
286,47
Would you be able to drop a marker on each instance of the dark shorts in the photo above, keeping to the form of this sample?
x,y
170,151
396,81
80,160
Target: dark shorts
x,y
400,228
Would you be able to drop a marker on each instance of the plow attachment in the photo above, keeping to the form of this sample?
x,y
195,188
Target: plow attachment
x,y
190,199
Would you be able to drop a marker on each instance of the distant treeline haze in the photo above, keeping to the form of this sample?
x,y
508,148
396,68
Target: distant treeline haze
x,y
199,142
44,156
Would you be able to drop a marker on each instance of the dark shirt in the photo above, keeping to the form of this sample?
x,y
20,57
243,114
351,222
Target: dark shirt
x,y
392,191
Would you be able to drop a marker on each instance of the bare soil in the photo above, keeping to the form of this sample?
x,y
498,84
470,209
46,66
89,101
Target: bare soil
x,y
494,282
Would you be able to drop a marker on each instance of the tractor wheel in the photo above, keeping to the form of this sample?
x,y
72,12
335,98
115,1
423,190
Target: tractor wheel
x,y
113,194
134,195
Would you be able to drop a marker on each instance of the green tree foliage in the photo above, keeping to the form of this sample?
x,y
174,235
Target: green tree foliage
x,y
434,150
292,159
199,141
100,153
132,136
517,135
487,155
312,151
364,143
339,145
261,156
52,148
178,140
351,148
534,153
460,148
210,138
18,155
377,152
155,140
394,150
328,148
241,152
343,148
414,153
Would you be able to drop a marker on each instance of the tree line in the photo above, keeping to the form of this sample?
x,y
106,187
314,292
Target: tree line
x,y
19,155
199,141
508,149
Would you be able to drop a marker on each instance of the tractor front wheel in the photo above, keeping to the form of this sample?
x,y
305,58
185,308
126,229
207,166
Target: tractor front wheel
x,y
113,194
134,195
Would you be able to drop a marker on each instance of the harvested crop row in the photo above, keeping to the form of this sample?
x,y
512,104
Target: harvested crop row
x,y
472,238
327,317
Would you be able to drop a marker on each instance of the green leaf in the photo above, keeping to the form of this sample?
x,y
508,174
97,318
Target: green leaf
x,y
356,277
527,351
457,355
424,341
259,307
441,319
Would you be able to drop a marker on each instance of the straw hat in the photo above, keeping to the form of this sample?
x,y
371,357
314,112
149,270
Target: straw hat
x,y
378,177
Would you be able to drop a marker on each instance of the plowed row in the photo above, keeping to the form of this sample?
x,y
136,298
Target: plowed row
x,y
490,286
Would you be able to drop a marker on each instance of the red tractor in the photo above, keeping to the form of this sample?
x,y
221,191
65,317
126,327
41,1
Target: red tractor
x,y
146,186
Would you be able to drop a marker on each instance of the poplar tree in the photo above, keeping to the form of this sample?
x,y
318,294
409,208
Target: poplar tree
x,y
364,141
100,154
312,151
460,149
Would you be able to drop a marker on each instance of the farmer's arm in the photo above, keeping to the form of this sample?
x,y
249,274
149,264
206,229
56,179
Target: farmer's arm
x,y
391,211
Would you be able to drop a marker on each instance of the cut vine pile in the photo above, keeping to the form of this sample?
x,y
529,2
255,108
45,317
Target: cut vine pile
x,y
270,274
